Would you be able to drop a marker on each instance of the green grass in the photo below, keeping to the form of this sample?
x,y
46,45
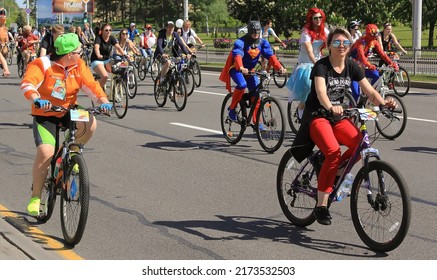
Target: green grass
x,y
405,36
424,78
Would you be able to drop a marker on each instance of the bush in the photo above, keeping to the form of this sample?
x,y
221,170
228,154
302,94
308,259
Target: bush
x,y
291,44
222,43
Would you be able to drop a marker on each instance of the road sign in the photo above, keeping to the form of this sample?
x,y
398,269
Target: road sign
x,y
27,11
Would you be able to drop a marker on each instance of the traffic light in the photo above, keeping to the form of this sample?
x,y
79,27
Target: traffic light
x,y
85,17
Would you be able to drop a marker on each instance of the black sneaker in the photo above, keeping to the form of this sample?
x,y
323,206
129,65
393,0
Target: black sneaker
x,y
322,215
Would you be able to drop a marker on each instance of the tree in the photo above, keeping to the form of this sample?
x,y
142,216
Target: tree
x,y
429,11
21,19
217,12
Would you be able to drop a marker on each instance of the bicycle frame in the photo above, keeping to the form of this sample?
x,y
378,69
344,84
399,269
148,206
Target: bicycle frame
x,y
363,150
258,93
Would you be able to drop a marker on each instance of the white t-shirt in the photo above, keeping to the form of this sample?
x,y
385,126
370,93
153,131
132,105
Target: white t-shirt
x,y
269,32
191,39
317,45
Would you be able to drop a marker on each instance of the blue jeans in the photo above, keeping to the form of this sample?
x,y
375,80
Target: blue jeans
x,y
373,75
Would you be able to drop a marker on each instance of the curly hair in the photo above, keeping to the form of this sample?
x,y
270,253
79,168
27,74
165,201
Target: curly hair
x,y
319,32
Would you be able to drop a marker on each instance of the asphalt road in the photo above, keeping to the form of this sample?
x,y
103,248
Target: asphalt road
x,y
165,185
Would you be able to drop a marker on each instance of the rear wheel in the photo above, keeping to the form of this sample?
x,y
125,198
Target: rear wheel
x,y
400,81
380,206
160,93
75,200
294,182
48,199
180,93
155,69
120,98
280,79
20,66
271,117
232,130
392,122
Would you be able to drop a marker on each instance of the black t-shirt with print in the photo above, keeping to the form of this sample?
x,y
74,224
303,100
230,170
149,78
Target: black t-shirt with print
x,y
336,83
105,47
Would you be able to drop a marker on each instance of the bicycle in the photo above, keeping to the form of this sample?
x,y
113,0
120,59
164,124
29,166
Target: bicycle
x,y
279,78
269,114
87,51
131,80
10,54
399,81
118,91
173,85
68,177
194,66
22,65
391,123
379,200
187,75
150,65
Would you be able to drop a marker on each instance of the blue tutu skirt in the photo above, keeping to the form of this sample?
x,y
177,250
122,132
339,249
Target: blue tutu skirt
x,y
299,83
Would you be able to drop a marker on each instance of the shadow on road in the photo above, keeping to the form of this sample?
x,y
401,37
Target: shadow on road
x,y
255,228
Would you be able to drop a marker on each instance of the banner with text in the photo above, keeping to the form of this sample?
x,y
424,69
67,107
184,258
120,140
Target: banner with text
x,y
73,6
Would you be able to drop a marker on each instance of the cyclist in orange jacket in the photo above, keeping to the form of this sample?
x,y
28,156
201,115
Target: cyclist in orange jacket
x,y
57,79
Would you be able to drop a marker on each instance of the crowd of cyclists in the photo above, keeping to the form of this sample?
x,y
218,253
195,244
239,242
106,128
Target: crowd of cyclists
x,y
314,80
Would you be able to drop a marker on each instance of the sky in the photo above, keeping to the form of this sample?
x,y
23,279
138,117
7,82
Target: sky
x,y
44,7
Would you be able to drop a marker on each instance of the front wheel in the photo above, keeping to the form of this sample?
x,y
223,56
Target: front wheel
x,y
180,93
142,69
280,79
155,69
75,200
400,81
232,130
120,98
392,122
131,82
188,77
195,67
160,93
294,183
380,206
271,118
20,66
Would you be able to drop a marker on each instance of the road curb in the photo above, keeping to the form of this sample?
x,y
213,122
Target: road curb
x,y
21,247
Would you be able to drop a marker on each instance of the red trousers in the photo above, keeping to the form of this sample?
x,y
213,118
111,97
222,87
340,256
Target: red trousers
x,y
328,137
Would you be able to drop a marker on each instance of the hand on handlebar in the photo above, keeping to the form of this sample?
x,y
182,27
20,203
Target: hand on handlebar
x,y
244,70
106,107
390,103
42,104
337,110
395,66
372,67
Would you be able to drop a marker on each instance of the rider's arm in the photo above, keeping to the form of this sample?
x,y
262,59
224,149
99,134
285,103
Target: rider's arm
x,y
90,86
181,43
119,49
33,77
361,57
397,44
134,48
383,55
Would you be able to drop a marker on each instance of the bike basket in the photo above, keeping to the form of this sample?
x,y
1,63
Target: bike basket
x,y
119,68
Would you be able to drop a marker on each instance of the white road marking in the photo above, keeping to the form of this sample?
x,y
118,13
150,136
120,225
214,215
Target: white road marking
x,y
422,120
197,128
211,93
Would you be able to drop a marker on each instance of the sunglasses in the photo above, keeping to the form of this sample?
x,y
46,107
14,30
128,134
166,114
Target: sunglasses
x,y
345,43
78,52
124,33
2,12
108,30
317,18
